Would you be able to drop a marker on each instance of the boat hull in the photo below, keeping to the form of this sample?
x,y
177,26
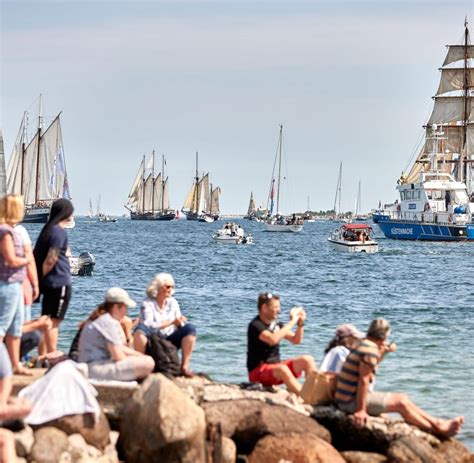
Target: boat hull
x,y
36,215
283,228
354,246
200,217
155,216
423,231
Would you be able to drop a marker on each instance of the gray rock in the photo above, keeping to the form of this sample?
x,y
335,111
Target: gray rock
x,y
294,447
24,441
411,449
160,423
50,444
246,421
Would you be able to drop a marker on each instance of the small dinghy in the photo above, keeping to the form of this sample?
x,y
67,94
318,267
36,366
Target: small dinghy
x,y
232,233
354,237
82,265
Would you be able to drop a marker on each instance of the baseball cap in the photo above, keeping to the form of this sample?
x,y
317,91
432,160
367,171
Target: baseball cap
x,y
348,330
119,296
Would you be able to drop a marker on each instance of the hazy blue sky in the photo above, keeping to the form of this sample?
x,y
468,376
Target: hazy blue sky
x,y
350,81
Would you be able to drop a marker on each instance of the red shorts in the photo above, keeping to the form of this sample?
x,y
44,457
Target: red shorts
x,y
264,373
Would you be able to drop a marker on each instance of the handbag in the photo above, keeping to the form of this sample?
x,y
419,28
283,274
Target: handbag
x,y
319,388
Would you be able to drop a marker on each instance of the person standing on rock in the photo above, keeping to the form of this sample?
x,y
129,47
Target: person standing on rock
x,y
264,335
353,393
160,314
54,272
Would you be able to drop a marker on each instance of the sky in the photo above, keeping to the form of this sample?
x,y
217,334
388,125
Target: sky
x,y
350,81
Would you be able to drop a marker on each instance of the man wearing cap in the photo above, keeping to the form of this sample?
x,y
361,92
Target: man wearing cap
x,y
353,393
345,339
102,343
263,351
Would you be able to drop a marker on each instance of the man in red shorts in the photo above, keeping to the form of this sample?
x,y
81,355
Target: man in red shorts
x,y
263,351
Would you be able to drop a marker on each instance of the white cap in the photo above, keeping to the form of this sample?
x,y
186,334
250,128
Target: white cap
x,y
119,296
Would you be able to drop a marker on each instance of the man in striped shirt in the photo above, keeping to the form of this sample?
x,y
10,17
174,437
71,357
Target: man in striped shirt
x,y
358,371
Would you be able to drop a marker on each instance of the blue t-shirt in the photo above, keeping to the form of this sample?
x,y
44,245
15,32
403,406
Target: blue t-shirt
x,y
60,274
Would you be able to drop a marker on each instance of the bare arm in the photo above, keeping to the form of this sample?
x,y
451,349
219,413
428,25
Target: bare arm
x,y
31,270
297,338
120,352
51,260
8,253
273,339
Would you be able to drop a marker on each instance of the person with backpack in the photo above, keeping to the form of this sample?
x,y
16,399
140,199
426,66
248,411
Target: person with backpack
x,y
160,314
103,346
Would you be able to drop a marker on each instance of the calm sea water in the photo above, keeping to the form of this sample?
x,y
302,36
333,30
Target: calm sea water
x,y
424,289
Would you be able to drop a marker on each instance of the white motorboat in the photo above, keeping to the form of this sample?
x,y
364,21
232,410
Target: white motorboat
x,y
232,234
353,237
283,226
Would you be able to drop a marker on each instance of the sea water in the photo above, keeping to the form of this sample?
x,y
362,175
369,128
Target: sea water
x,y
425,290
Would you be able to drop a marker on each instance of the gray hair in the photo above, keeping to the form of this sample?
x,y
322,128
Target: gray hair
x,y
159,280
379,329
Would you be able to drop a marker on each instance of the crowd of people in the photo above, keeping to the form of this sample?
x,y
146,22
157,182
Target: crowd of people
x,y
114,346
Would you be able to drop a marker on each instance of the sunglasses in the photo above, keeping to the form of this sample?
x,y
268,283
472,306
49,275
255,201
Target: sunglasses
x,y
169,286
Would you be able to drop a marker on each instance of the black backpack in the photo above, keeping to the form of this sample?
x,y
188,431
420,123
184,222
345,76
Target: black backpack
x,y
165,355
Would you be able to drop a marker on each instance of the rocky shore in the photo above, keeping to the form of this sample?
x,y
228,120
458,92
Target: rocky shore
x,y
200,421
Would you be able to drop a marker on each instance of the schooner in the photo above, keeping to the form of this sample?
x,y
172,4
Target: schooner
x,y
37,167
436,198
149,196
202,201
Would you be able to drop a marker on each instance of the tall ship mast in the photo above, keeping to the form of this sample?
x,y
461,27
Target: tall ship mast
x,y
202,202
149,196
436,200
37,167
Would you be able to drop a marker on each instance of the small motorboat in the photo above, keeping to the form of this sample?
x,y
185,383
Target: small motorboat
x,y
354,237
82,265
232,234
105,218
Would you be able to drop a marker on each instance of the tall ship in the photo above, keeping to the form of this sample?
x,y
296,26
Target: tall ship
x,y
436,201
276,221
203,200
149,196
37,167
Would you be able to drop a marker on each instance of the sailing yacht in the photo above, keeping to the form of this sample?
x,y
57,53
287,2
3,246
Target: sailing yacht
x,y
37,168
358,206
338,215
203,200
149,197
278,222
436,200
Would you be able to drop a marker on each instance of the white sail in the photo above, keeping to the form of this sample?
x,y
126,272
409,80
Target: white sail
x,y
134,192
3,179
456,53
29,171
215,196
190,199
204,194
450,109
14,168
156,193
166,195
452,79
145,202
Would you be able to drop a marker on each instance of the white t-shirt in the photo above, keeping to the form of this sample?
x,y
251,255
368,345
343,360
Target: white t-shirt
x,y
153,316
334,359
21,231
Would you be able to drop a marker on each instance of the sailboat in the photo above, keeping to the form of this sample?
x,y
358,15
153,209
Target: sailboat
x,y
436,201
338,215
91,211
358,206
37,168
277,222
203,201
101,217
255,213
149,197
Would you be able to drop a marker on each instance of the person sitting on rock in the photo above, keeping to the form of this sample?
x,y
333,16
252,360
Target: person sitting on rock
x,y
102,343
345,339
263,351
160,314
353,394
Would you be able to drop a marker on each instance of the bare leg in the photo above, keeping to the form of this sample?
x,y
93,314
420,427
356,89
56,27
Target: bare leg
x,y
51,335
139,342
5,389
13,346
144,366
7,446
283,373
187,346
304,363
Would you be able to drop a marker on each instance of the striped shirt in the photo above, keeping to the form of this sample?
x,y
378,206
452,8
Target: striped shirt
x,y
348,378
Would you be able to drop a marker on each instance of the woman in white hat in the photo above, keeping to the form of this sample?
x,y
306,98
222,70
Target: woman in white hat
x,y
103,346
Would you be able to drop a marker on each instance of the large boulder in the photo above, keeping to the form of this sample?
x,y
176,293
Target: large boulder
x,y
50,444
352,456
294,447
453,452
246,421
24,441
161,423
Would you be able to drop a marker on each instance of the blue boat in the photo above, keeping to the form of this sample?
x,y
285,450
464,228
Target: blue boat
x,y
436,196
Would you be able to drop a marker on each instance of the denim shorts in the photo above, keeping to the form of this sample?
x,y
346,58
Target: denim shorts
x,y
11,309
175,337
